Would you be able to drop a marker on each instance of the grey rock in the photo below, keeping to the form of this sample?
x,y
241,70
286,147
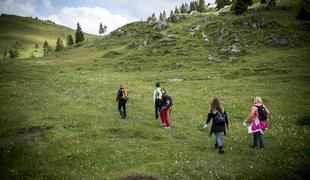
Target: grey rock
x,y
194,13
161,25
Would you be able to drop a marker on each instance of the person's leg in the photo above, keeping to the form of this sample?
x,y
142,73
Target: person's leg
x,y
255,139
260,139
167,118
162,116
156,108
124,109
218,139
119,108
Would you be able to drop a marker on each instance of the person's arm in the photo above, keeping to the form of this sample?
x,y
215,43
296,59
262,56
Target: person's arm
x,y
154,96
226,119
209,118
252,114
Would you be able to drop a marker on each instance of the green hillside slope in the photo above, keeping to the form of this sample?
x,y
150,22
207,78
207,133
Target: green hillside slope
x,y
28,31
59,118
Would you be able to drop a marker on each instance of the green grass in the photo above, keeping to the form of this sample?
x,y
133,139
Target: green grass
x,y
30,31
72,95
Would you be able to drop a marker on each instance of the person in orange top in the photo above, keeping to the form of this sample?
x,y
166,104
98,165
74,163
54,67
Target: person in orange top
x,y
258,117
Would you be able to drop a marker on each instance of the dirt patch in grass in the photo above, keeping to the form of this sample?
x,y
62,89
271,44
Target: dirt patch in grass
x,y
139,177
30,133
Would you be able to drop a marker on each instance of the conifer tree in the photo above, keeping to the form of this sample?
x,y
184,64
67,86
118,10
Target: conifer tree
x,y
101,31
171,14
201,6
46,48
161,16
176,10
69,40
59,44
164,15
79,35
36,46
221,3
154,19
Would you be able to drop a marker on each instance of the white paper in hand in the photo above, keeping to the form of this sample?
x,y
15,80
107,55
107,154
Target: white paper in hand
x,y
205,126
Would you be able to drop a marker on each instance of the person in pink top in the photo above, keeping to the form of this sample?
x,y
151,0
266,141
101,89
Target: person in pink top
x,y
258,117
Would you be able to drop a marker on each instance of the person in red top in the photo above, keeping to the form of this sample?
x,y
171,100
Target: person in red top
x,y
258,117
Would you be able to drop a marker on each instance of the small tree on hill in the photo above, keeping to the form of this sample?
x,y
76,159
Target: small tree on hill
x,y
101,31
69,40
222,3
193,6
13,53
240,6
176,10
59,44
154,19
5,53
161,17
171,14
46,48
79,35
164,15
36,46
201,6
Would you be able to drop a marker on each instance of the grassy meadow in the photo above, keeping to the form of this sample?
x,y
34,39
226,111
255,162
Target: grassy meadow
x,y
59,118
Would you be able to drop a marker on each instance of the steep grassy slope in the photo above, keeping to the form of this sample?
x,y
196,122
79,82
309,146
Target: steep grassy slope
x,y
58,116
29,31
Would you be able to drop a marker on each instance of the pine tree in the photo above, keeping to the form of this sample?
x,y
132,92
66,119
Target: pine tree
x,y
154,19
13,53
79,35
5,53
105,29
36,46
192,6
59,44
176,10
46,48
161,17
240,6
69,40
222,3
101,31
186,8
182,9
171,14
164,15
201,6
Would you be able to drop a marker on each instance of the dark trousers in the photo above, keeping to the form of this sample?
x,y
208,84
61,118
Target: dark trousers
x,y
157,108
258,138
122,108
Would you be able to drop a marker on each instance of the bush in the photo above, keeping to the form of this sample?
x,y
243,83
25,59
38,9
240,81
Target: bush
x,y
13,53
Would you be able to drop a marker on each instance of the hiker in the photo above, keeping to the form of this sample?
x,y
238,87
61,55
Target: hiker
x,y
157,95
166,104
219,119
121,98
258,117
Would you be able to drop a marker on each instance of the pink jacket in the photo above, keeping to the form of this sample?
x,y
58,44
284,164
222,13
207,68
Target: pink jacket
x,y
257,125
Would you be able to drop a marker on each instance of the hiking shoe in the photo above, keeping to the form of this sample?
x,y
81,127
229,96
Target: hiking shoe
x,y
216,146
167,127
262,149
221,149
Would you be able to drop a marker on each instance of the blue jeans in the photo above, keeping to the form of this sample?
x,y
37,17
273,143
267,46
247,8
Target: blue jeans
x,y
218,139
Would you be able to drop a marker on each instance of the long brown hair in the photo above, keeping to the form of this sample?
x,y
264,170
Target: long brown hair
x,y
216,106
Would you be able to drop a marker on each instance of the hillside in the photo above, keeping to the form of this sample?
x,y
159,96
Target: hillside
x,y
28,31
59,118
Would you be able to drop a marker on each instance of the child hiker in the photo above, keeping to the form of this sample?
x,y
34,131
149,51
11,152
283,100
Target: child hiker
x,y
219,119
258,116
166,104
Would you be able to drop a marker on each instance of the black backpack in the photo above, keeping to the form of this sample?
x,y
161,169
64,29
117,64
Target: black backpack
x,y
220,118
168,101
262,114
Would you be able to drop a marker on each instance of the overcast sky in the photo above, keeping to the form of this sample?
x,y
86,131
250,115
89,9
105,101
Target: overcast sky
x,y
89,13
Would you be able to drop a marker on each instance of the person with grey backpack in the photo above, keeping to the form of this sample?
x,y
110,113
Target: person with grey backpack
x,y
219,120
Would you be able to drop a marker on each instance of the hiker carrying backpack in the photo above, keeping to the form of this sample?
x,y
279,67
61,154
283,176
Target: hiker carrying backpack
x,y
121,98
157,95
258,120
166,105
220,119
